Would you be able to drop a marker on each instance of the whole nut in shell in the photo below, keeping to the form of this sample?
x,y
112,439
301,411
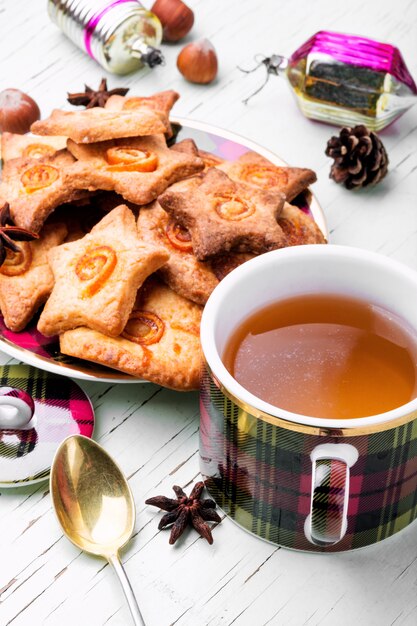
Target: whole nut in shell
x,y
17,111
197,62
176,18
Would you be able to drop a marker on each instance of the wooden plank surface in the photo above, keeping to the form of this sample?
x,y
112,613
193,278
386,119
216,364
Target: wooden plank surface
x,y
153,432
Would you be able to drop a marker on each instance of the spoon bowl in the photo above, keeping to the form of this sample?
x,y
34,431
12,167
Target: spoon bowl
x,y
94,504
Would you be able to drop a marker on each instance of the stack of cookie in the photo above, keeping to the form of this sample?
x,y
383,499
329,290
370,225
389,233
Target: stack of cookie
x,y
134,235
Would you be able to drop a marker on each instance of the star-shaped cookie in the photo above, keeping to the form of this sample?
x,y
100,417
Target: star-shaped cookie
x,y
298,227
139,168
26,279
97,277
97,124
29,146
182,272
188,146
253,169
223,215
160,342
161,102
35,187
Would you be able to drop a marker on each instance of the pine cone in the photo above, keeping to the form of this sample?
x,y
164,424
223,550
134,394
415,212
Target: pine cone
x,y
360,158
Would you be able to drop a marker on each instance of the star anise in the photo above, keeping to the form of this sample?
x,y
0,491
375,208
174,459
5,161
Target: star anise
x,y
9,233
91,98
186,510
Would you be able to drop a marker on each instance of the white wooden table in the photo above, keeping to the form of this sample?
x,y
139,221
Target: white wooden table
x,y
153,432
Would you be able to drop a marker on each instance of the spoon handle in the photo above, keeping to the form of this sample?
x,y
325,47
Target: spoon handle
x,y
114,560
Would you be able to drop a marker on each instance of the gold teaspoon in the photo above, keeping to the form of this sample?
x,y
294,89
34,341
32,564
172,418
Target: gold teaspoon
x,y
94,505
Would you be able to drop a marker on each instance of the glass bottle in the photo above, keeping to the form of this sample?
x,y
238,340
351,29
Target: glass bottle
x,y
121,35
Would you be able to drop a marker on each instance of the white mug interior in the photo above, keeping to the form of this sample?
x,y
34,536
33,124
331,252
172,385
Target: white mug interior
x,y
308,269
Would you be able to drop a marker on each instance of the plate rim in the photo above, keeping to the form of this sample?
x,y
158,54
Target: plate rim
x,y
64,369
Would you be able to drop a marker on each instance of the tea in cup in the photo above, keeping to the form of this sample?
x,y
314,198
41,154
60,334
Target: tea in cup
x,y
325,355
308,433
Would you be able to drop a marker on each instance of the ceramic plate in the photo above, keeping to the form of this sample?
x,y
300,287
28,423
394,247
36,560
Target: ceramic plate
x,y
34,349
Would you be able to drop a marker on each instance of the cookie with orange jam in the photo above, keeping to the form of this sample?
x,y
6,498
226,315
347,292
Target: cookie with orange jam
x,y
182,272
138,169
97,124
223,215
253,169
97,277
30,146
160,342
35,187
26,279
298,227
162,102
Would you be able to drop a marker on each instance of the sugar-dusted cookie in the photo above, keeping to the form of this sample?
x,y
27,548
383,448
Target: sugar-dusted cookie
x,y
253,169
97,124
35,187
97,277
139,168
223,215
298,227
26,279
160,342
162,102
182,272
30,146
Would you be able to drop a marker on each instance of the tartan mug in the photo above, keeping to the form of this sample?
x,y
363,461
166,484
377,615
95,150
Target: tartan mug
x,y
307,483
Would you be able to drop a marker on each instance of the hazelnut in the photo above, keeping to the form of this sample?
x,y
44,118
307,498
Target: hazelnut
x,y
176,18
197,62
17,111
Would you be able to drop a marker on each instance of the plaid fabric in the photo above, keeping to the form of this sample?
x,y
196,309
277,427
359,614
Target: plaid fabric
x,y
260,474
61,409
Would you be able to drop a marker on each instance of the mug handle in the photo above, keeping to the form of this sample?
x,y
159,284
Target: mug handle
x,y
16,409
331,462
